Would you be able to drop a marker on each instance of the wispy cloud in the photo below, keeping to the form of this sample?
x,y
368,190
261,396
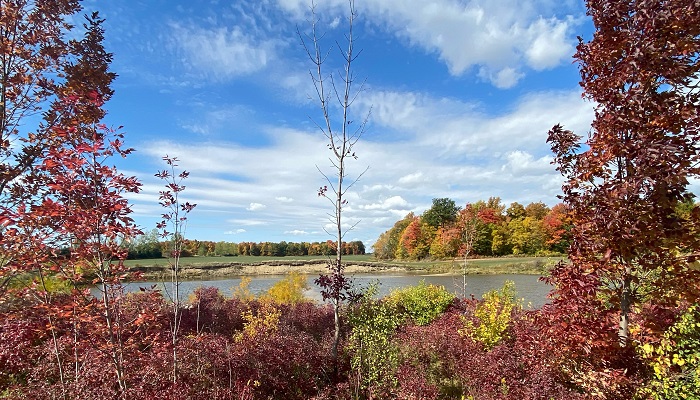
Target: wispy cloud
x,y
222,53
442,148
296,232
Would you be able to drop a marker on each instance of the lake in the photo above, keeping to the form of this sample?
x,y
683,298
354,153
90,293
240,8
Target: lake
x,y
528,287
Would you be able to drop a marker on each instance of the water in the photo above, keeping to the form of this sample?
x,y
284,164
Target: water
x,y
528,287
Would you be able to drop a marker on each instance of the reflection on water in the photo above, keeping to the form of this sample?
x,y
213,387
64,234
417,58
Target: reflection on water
x,y
529,288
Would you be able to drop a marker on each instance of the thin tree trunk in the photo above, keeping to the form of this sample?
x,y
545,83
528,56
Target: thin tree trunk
x,y
625,305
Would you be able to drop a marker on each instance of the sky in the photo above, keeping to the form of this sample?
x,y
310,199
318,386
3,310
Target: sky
x,y
460,97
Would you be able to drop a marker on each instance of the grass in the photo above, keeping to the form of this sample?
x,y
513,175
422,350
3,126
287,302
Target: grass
x,y
185,261
501,265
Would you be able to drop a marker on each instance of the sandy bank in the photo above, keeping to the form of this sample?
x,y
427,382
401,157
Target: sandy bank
x,y
218,270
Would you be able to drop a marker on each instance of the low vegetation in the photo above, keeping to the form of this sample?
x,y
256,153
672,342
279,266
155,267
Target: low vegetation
x,y
623,320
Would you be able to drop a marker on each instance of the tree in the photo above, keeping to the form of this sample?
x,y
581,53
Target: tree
x,y
48,85
386,245
441,213
515,211
146,246
36,58
64,216
500,244
173,227
527,235
536,210
489,214
415,240
629,246
556,226
341,139
468,222
446,243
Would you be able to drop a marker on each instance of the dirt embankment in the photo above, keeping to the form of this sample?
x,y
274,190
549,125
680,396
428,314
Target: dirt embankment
x,y
224,269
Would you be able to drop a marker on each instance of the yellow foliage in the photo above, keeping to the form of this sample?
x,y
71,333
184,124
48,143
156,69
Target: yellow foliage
x,y
242,292
289,290
264,322
493,315
675,360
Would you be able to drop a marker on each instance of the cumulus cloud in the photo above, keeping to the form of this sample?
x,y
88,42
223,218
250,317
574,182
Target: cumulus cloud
x,y
500,38
411,179
523,163
443,148
386,204
548,46
256,207
504,79
234,232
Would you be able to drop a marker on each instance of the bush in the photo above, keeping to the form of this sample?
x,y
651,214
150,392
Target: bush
x,y
373,357
289,290
676,360
422,303
493,315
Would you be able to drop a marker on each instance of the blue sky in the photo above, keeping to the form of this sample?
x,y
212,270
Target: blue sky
x,y
462,96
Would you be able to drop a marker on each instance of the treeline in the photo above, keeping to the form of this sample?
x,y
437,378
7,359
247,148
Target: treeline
x,y
149,245
483,228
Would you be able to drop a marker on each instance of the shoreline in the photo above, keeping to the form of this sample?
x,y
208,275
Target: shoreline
x,y
218,270
275,267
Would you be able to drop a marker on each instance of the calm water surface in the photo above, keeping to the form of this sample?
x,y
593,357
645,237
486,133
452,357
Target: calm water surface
x,y
529,288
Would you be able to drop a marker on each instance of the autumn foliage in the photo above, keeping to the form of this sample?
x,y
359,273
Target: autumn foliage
x,y
629,277
622,321
483,228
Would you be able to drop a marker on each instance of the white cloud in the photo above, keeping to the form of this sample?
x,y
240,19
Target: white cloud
x,y
523,163
386,204
235,232
504,79
296,232
247,222
222,53
256,207
412,179
548,46
213,120
500,38
442,148
334,24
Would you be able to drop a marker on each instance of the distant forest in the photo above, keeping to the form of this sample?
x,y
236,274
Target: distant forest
x,y
149,245
483,228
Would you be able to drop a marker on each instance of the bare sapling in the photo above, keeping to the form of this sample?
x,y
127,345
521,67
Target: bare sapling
x,y
341,136
172,228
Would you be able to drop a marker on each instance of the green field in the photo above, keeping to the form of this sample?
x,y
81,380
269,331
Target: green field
x,y
240,259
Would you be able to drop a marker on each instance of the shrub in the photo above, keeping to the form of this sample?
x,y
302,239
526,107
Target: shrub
x,y
289,290
264,322
493,315
374,358
676,360
422,303
242,292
